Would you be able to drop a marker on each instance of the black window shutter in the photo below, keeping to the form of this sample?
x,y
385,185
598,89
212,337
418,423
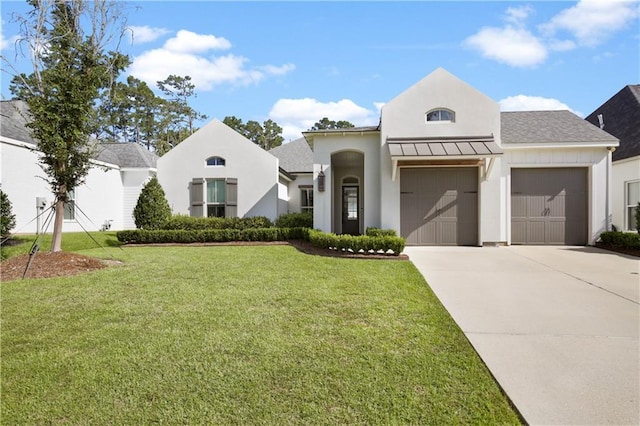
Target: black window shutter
x,y
197,197
231,205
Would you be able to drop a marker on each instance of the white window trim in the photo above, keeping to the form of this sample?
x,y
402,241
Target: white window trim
x,y
426,115
215,165
627,205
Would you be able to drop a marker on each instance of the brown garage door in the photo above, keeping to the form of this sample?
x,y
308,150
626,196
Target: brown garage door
x,y
439,206
549,206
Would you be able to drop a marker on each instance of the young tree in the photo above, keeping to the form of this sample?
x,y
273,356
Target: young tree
x,y
67,42
7,218
152,209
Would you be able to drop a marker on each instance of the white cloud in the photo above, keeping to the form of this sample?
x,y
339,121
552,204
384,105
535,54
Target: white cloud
x,y
592,22
533,103
6,43
298,115
516,47
145,33
187,41
589,22
189,54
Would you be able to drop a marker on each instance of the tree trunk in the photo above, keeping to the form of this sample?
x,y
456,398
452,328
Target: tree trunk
x,y
56,240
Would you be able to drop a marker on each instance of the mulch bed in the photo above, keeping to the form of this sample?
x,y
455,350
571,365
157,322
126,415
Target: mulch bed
x,y
630,252
47,265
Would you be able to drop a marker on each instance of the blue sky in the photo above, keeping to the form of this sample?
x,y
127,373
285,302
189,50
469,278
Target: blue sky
x,y
296,62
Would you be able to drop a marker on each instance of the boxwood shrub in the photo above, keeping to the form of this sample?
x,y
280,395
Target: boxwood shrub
x,y
182,222
185,236
357,243
377,232
295,220
625,240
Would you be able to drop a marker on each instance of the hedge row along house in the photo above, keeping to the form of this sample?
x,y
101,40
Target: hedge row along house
x,y
443,167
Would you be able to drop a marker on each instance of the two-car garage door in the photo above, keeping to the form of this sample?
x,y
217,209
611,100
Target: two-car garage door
x,y
549,206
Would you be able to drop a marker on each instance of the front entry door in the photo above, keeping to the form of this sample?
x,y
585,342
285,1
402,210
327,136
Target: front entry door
x,y
350,210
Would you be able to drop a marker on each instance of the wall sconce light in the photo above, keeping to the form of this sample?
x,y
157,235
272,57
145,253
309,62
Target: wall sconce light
x,y
321,180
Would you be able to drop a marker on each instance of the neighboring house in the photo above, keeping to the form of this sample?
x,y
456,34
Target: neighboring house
x,y
620,116
445,167
107,197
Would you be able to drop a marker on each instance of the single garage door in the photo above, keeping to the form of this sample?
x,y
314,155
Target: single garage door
x,y
549,206
439,206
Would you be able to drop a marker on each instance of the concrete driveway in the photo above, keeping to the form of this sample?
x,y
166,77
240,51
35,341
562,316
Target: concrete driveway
x,y
557,326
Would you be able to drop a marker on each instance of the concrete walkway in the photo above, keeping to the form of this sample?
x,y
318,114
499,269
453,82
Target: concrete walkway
x,y
557,326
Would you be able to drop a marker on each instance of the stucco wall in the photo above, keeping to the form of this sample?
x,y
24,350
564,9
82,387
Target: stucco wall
x,y
133,181
255,169
475,115
293,205
326,207
623,171
100,198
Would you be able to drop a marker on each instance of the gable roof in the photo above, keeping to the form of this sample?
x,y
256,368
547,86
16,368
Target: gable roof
x,y
621,117
130,155
546,127
13,125
13,121
295,156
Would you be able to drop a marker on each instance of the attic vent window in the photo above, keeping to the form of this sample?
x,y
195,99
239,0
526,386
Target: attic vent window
x,y
215,161
441,114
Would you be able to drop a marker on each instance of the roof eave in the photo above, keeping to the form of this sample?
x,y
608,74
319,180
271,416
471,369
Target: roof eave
x,y
602,144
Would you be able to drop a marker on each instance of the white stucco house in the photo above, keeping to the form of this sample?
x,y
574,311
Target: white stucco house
x,y
443,167
620,116
107,198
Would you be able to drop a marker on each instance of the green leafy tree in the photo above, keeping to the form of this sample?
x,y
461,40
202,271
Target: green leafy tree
x,y
67,42
268,135
152,209
326,124
7,218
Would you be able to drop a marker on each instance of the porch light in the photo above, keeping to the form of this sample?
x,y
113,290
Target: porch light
x,y
321,180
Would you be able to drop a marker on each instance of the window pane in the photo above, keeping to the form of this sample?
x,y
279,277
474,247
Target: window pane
x,y
306,197
215,210
215,191
351,199
633,193
446,115
433,116
70,210
215,161
631,220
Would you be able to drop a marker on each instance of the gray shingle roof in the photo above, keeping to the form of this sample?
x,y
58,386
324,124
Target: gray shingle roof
x,y
126,155
295,156
13,120
533,127
346,130
621,116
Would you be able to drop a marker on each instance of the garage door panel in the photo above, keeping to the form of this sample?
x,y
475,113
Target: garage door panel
x,y
555,200
445,203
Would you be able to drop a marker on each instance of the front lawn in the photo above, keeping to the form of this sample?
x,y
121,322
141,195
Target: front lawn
x,y
238,335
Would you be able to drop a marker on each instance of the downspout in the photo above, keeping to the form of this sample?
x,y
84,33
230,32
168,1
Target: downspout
x,y
610,150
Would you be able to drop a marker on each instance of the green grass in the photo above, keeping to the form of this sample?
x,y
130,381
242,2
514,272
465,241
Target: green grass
x,y
238,335
71,241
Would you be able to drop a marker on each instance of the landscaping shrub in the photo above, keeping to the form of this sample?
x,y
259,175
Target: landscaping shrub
x,y
295,220
200,223
625,240
152,209
181,236
7,218
377,232
358,243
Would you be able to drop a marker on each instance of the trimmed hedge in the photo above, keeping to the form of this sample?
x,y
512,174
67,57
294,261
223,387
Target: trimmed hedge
x,y
357,243
625,240
180,236
295,220
187,223
377,232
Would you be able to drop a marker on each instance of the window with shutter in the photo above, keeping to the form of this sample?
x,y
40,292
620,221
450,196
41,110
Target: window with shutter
x,y
232,198
197,197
